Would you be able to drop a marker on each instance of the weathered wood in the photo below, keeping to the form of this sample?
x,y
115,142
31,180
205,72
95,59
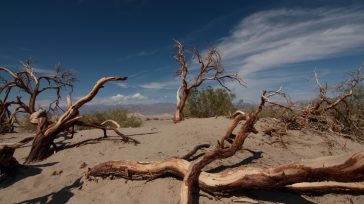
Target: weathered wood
x,y
324,173
47,133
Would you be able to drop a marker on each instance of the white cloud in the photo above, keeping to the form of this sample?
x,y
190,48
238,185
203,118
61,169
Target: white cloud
x,y
153,85
161,85
269,39
121,99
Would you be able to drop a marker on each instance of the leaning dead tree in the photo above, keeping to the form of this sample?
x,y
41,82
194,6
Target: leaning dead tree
x,y
211,69
47,131
30,84
335,172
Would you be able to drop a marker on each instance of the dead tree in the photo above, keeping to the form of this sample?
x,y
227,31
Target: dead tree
x,y
211,69
330,111
325,107
317,174
32,85
47,132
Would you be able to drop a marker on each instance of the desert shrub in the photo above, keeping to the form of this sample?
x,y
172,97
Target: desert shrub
x,y
209,102
352,120
26,126
118,114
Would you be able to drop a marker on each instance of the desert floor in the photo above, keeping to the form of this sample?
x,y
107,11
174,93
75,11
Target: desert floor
x,y
60,178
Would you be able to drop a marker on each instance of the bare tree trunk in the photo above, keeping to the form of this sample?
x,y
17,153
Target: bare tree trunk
x,y
178,116
41,149
32,101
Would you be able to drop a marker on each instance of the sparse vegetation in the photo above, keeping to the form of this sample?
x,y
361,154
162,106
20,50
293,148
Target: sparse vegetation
x,y
118,115
209,102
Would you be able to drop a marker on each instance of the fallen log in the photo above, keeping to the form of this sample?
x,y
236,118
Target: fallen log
x,y
345,170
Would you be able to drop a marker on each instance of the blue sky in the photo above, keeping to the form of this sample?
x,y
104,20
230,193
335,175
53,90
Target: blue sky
x,y
269,43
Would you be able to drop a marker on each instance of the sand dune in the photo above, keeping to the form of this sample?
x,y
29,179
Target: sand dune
x,y
60,178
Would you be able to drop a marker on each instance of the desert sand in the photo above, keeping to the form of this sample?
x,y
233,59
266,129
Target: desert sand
x,y
60,178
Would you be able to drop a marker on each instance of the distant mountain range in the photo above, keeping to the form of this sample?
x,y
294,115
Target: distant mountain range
x,y
145,109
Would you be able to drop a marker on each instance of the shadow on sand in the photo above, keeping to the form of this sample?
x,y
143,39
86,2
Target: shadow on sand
x,y
22,173
64,144
61,196
255,156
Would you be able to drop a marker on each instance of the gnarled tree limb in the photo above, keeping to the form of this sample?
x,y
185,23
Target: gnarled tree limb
x,y
48,132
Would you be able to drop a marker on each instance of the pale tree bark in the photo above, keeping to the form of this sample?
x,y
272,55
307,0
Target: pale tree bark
x,y
211,69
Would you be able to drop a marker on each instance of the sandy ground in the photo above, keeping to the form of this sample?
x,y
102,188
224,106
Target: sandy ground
x,y
60,178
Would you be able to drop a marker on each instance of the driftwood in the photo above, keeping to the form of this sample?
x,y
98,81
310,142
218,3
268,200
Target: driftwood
x,y
325,173
334,172
211,69
47,132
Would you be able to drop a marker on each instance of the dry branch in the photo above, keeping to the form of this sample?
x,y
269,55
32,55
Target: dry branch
x,y
48,132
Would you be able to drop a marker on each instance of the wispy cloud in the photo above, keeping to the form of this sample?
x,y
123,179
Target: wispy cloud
x,y
121,84
269,39
160,85
142,53
273,40
44,71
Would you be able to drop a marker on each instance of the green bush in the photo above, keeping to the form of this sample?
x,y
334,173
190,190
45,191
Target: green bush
x,y
119,115
209,102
